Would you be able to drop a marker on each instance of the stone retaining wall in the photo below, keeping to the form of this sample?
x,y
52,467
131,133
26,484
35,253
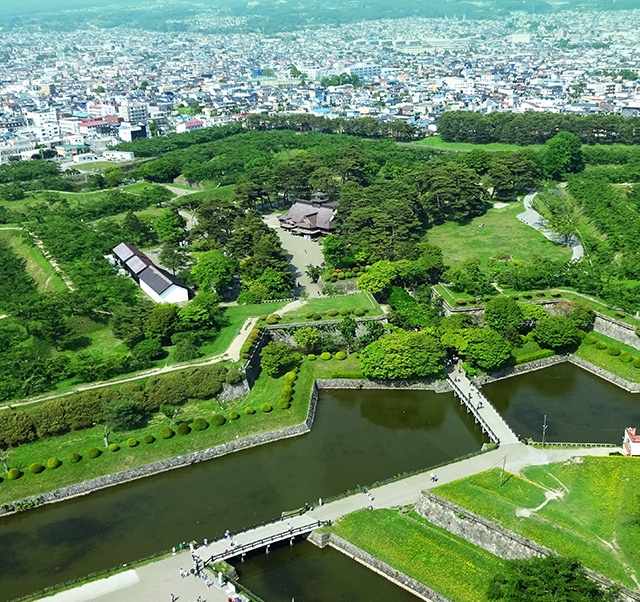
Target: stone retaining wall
x,y
239,389
602,373
494,538
375,564
620,331
521,369
170,463
438,386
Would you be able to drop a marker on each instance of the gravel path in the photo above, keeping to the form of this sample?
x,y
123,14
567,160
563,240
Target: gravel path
x,y
532,218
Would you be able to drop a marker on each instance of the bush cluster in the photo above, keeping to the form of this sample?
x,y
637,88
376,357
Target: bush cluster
x,y
245,350
534,355
83,410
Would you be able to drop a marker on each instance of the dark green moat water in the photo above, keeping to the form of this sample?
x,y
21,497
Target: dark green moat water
x,y
306,573
579,406
358,437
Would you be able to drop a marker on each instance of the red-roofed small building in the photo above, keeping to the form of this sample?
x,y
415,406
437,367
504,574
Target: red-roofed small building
x,y
189,126
631,442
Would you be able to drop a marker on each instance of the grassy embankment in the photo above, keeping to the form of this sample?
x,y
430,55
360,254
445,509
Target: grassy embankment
x,y
321,306
611,363
449,565
265,390
503,234
439,143
596,520
36,264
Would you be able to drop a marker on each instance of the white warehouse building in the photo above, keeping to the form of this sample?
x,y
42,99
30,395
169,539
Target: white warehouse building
x,y
158,284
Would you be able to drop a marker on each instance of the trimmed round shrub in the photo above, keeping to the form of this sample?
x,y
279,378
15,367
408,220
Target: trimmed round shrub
x,y
341,355
461,301
284,397
331,278
166,433
217,419
311,357
351,274
183,429
284,404
528,296
114,447
316,316
74,457
199,424
540,293
93,452
590,339
266,407
341,276
636,362
249,410
358,311
355,270
613,350
263,317
334,312
148,438
620,314
53,463
325,356
234,415
244,355
276,317
14,474
625,357
556,294
36,468
290,376
601,345
255,332
271,320
309,315
582,334
132,442
286,390
344,311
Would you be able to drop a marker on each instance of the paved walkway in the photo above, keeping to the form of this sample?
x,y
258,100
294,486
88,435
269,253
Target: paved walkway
x,y
474,399
532,218
300,253
155,582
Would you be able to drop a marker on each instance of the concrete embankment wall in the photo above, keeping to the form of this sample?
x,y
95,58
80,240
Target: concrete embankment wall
x,y
375,564
494,538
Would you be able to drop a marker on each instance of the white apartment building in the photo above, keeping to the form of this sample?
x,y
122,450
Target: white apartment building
x,y
14,148
133,112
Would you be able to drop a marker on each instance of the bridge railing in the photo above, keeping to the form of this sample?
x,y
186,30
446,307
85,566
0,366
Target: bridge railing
x,y
259,543
476,414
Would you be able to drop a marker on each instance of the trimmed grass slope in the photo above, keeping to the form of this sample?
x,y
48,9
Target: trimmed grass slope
x,y
443,562
597,521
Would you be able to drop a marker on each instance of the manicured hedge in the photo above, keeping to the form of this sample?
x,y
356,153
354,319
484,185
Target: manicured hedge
x,y
636,362
266,407
199,424
325,356
249,410
53,463
534,355
625,357
234,415
341,355
311,357
217,419
14,474
461,302
613,350
36,468
590,339
132,442
601,345
183,429
148,438
114,447
93,452
166,433
359,311
74,457
344,311
334,312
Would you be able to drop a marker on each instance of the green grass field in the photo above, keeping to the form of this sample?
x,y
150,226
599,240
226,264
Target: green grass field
x,y
503,233
95,165
321,306
600,357
596,521
37,265
443,562
437,142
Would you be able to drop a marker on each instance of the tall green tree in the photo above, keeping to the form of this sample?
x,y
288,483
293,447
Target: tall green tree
x,y
215,271
562,155
170,226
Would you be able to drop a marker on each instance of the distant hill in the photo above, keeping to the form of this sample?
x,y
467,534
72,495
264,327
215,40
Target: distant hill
x,y
266,15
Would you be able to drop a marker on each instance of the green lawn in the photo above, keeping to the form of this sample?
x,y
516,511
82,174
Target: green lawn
x,y
437,142
503,233
449,565
600,357
321,306
595,522
37,265
99,165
